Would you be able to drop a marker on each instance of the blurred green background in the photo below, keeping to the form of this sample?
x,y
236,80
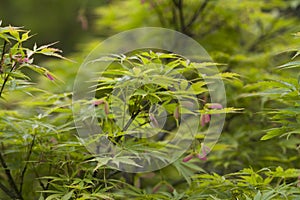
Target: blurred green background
x,y
69,21
251,38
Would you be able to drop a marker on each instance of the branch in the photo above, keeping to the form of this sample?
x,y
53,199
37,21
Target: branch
x,y
197,13
132,118
175,3
26,164
174,18
158,12
39,180
48,181
265,37
6,79
135,114
213,28
9,177
2,56
179,5
6,191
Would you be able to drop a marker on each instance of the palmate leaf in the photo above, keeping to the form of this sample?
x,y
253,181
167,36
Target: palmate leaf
x,y
288,118
289,65
278,90
117,160
288,83
221,111
98,196
6,37
187,169
53,196
115,72
203,65
128,160
68,195
49,51
274,133
10,33
229,76
281,173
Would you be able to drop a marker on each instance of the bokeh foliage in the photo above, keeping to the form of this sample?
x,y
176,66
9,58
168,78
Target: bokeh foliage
x,y
257,156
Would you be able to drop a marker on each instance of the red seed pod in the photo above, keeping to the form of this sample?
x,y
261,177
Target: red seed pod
x,y
205,118
176,113
204,151
26,60
202,156
106,108
215,106
148,175
170,187
153,120
49,76
202,120
53,140
97,102
156,188
18,58
188,158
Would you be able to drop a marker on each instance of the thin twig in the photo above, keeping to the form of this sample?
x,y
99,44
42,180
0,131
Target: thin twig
x,y
9,177
26,164
197,13
213,28
181,16
48,180
133,116
174,18
129,122
7,191
39,180
268,35
160,14
6,79
2,56
175,3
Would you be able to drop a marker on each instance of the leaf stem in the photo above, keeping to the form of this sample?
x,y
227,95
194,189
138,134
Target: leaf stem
x,y
2,56
132,118
6,79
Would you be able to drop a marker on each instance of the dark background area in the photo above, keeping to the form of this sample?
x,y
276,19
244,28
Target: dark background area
x,y
65,21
